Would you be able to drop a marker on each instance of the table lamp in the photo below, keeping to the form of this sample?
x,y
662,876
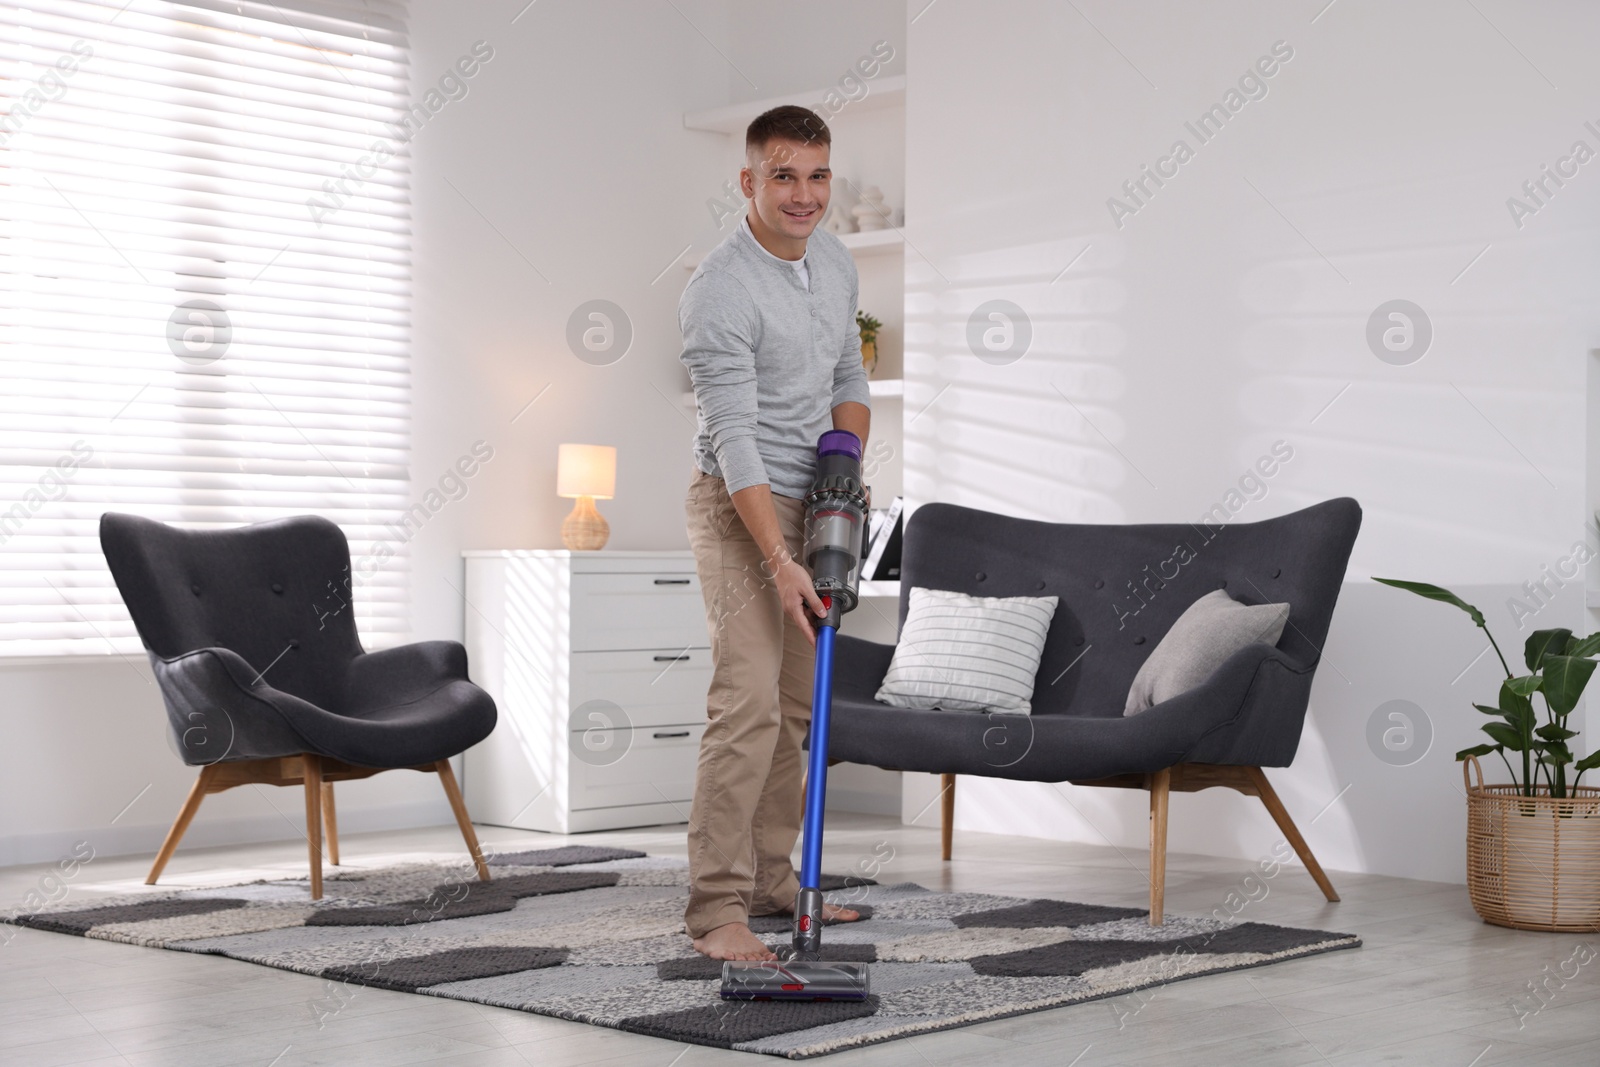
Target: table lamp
x,y
586,472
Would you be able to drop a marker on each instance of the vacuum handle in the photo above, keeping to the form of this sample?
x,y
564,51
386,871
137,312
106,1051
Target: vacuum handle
x,y
833,611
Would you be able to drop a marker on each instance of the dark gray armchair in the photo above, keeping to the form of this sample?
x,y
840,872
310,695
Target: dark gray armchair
x,y
1120,588
253,642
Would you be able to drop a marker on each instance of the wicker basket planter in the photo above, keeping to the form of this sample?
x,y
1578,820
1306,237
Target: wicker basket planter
x,y
1533,862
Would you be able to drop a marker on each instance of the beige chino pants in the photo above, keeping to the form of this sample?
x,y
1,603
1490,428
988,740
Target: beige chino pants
x,y
748,786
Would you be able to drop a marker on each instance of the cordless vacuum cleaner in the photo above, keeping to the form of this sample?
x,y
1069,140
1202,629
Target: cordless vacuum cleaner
x,y
836,510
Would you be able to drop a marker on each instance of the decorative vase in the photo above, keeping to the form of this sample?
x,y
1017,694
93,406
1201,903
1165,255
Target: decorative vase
x,y
869,213
1533,862
869,355
837,221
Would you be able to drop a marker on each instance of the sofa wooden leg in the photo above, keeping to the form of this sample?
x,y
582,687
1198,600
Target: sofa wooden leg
x,y
447,776
1160,788
331,821
197,793
947,812
313,779
1291,833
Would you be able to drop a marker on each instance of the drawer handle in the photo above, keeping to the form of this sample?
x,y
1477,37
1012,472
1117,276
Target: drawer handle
x,y
671,659
672,581
675,733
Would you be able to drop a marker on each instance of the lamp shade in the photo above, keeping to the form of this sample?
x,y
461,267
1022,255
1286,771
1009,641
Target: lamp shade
x,y
586,470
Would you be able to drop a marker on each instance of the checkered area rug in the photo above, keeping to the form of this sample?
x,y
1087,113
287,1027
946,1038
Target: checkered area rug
x,y
596,935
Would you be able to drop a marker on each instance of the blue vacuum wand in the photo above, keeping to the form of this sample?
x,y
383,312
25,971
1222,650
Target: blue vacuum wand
x,y
836,511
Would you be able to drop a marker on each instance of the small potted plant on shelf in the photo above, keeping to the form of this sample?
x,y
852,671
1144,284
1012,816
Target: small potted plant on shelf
x,y
1533,846
869,340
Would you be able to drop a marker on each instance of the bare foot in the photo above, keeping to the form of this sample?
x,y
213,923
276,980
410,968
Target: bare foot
x,y
733,941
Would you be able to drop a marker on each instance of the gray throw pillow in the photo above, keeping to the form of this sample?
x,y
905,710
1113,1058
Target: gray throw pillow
x,y
1212,629
967,653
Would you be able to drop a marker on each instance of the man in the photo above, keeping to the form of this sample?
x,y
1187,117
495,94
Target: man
x,y
773,350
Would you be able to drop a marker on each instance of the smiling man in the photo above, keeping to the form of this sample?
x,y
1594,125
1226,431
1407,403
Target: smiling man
x,y
772,347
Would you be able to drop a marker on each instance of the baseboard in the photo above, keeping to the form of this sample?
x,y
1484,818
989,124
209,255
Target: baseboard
x,y
50,846
863,802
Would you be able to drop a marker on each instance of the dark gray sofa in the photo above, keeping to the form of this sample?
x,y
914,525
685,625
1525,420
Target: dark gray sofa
x,y
1120,590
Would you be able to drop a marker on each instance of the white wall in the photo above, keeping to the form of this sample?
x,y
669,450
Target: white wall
x,y
1230,310
563,175
774,49
1204,329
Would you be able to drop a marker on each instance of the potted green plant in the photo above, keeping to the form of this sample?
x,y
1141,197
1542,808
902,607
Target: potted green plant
x,y
869,327
1533,846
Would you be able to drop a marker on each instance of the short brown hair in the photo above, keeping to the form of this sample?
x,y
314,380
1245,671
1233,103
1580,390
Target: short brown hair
x,y
790,122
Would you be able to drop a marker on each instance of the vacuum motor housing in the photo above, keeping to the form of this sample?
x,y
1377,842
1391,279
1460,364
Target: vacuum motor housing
x,y
836,514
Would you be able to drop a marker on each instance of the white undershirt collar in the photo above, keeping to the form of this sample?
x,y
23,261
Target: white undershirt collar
x,y
799,265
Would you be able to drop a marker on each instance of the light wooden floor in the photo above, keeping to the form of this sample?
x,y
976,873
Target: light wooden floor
x,y
1433,985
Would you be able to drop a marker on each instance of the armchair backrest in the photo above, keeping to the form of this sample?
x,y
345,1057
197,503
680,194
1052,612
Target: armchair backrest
x,y
277,593
1122,587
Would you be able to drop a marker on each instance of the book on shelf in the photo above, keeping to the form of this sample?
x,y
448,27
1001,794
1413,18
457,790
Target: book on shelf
x,y
882,551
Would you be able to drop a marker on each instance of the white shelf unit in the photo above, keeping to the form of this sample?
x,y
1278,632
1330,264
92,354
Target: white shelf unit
x,y
888,241
884,242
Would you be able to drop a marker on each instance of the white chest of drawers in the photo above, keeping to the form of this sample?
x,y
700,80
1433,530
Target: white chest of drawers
x,y
599,663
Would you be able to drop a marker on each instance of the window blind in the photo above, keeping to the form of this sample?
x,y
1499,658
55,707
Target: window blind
x,y
204,290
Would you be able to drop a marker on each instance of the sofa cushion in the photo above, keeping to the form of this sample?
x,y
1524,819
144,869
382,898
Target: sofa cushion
x,y
967,653
1205,635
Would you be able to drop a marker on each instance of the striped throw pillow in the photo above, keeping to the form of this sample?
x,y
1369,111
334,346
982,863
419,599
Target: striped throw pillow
x,y
968,653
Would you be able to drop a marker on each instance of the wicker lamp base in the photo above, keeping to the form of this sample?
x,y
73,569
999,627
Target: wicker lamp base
x,y
585,529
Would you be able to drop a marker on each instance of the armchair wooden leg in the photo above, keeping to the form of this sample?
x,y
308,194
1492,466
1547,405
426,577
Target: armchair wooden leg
x,y
197,793
447,776
313,776
1160,783
947,812
331,820
1291,833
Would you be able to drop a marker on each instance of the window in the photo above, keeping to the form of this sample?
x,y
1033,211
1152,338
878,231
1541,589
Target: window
x,y
204,290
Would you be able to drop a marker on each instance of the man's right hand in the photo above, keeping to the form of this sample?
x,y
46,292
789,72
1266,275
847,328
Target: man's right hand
x,y
799,596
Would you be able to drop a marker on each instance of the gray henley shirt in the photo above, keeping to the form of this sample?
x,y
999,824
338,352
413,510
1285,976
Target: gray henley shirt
x,y
770,360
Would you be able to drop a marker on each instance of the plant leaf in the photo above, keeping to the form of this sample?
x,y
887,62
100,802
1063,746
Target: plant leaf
x,y
1588,763
1489,709
1543,642
1516,705
1552,732
1587,646
1484,750
1434,592
1564,680
1507,736
1525,685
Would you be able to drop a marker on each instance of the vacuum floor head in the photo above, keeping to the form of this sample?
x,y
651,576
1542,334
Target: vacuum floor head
x,y
793,980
